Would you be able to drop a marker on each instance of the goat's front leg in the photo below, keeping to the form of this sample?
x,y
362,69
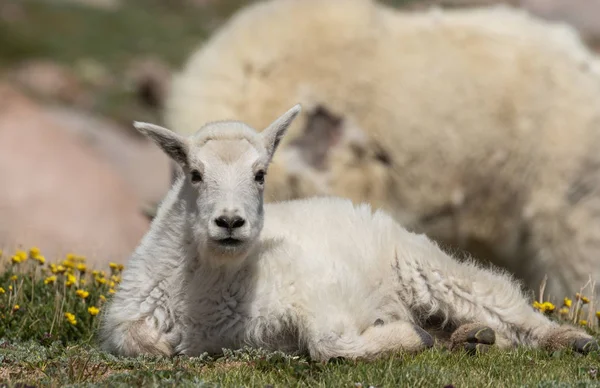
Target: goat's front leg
x,y
375,341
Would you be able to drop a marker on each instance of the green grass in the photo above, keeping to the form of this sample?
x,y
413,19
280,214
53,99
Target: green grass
x,y
40,346
83,364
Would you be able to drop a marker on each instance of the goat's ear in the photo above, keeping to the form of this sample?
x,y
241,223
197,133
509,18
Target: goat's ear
x,y
174,145
274,132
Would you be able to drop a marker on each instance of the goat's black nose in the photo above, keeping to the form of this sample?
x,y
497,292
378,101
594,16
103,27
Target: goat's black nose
x,y
230,222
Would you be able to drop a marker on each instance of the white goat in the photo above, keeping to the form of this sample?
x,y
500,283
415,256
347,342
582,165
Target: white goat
x,y
319,276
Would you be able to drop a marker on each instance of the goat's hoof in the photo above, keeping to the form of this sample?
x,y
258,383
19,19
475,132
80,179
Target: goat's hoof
x,y
483,335
475,338
426,338
585,345
476,348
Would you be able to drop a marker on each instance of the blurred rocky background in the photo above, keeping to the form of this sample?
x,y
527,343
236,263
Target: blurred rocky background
x,y
74,74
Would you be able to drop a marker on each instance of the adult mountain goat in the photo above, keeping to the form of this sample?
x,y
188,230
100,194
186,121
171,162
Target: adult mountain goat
x,y
478,127
320,276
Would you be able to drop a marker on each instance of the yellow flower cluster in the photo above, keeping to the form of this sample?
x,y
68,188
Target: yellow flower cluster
x,y
35,254
116,267
82,293
545,307
19,257
93,310
57,268
71,270
583,299
71,318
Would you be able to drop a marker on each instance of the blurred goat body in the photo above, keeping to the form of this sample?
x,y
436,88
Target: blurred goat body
x,y
316,276
479,127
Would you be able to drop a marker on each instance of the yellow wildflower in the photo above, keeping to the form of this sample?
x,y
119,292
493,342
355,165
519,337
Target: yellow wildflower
x,y
82,293
112,284
40,259
16,259
50,280
564,311
82,281
93,310
95,272
53,268
34,252
81,268
80,259
103,298
16,307
1,252
71,318
10,288
68,264
100,280
60,269
583,322
111,291
71,257
583,299
567,302
14,278
21,254
113,265
2,291
597,312
71,279
120,267
116,279
544,307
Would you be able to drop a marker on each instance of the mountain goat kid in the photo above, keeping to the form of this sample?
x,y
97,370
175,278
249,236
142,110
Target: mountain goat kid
x,y
318,276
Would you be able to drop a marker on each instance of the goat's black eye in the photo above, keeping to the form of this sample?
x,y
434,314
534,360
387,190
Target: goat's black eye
x,y
196,176
260,177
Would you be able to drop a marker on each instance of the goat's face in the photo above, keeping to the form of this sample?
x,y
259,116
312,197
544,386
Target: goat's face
x,y
225,167
227,178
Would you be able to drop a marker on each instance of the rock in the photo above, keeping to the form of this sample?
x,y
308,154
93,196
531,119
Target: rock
x,y
93,73
106,5
584,15
50,80
58,193
130,155
11,12
150,79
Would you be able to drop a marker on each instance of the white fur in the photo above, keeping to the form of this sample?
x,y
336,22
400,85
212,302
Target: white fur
x,y
312,275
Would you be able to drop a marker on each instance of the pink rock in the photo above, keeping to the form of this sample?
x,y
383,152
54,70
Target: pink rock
x,y
584,15
57,193
48,79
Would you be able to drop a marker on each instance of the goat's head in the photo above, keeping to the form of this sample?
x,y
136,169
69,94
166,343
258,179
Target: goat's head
x,y
224,165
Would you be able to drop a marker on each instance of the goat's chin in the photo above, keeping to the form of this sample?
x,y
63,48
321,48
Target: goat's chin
x,y
228,251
